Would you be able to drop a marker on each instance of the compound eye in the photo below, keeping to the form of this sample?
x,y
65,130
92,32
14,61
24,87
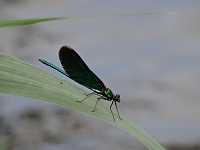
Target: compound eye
x,y
117,97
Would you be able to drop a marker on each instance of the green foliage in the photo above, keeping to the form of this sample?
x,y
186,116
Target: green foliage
x,y
6,23
2,146
22,79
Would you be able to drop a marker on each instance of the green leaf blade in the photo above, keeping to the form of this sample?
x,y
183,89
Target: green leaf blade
x,y
6,23
22,79
15,22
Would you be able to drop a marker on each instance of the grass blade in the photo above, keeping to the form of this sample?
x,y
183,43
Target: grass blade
x,y
6,23
120,15
22,79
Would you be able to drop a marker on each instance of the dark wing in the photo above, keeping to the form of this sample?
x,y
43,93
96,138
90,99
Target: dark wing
x,y
77,70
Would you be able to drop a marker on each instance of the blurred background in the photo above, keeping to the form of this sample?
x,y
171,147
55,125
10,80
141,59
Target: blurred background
x,y
152,61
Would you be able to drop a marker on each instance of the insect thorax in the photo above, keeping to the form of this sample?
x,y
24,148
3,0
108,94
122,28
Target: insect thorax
x,y
108,93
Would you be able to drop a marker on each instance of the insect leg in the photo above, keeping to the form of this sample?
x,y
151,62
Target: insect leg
x,y
98,98
88,95
117,110
96,104
104,98
111,110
